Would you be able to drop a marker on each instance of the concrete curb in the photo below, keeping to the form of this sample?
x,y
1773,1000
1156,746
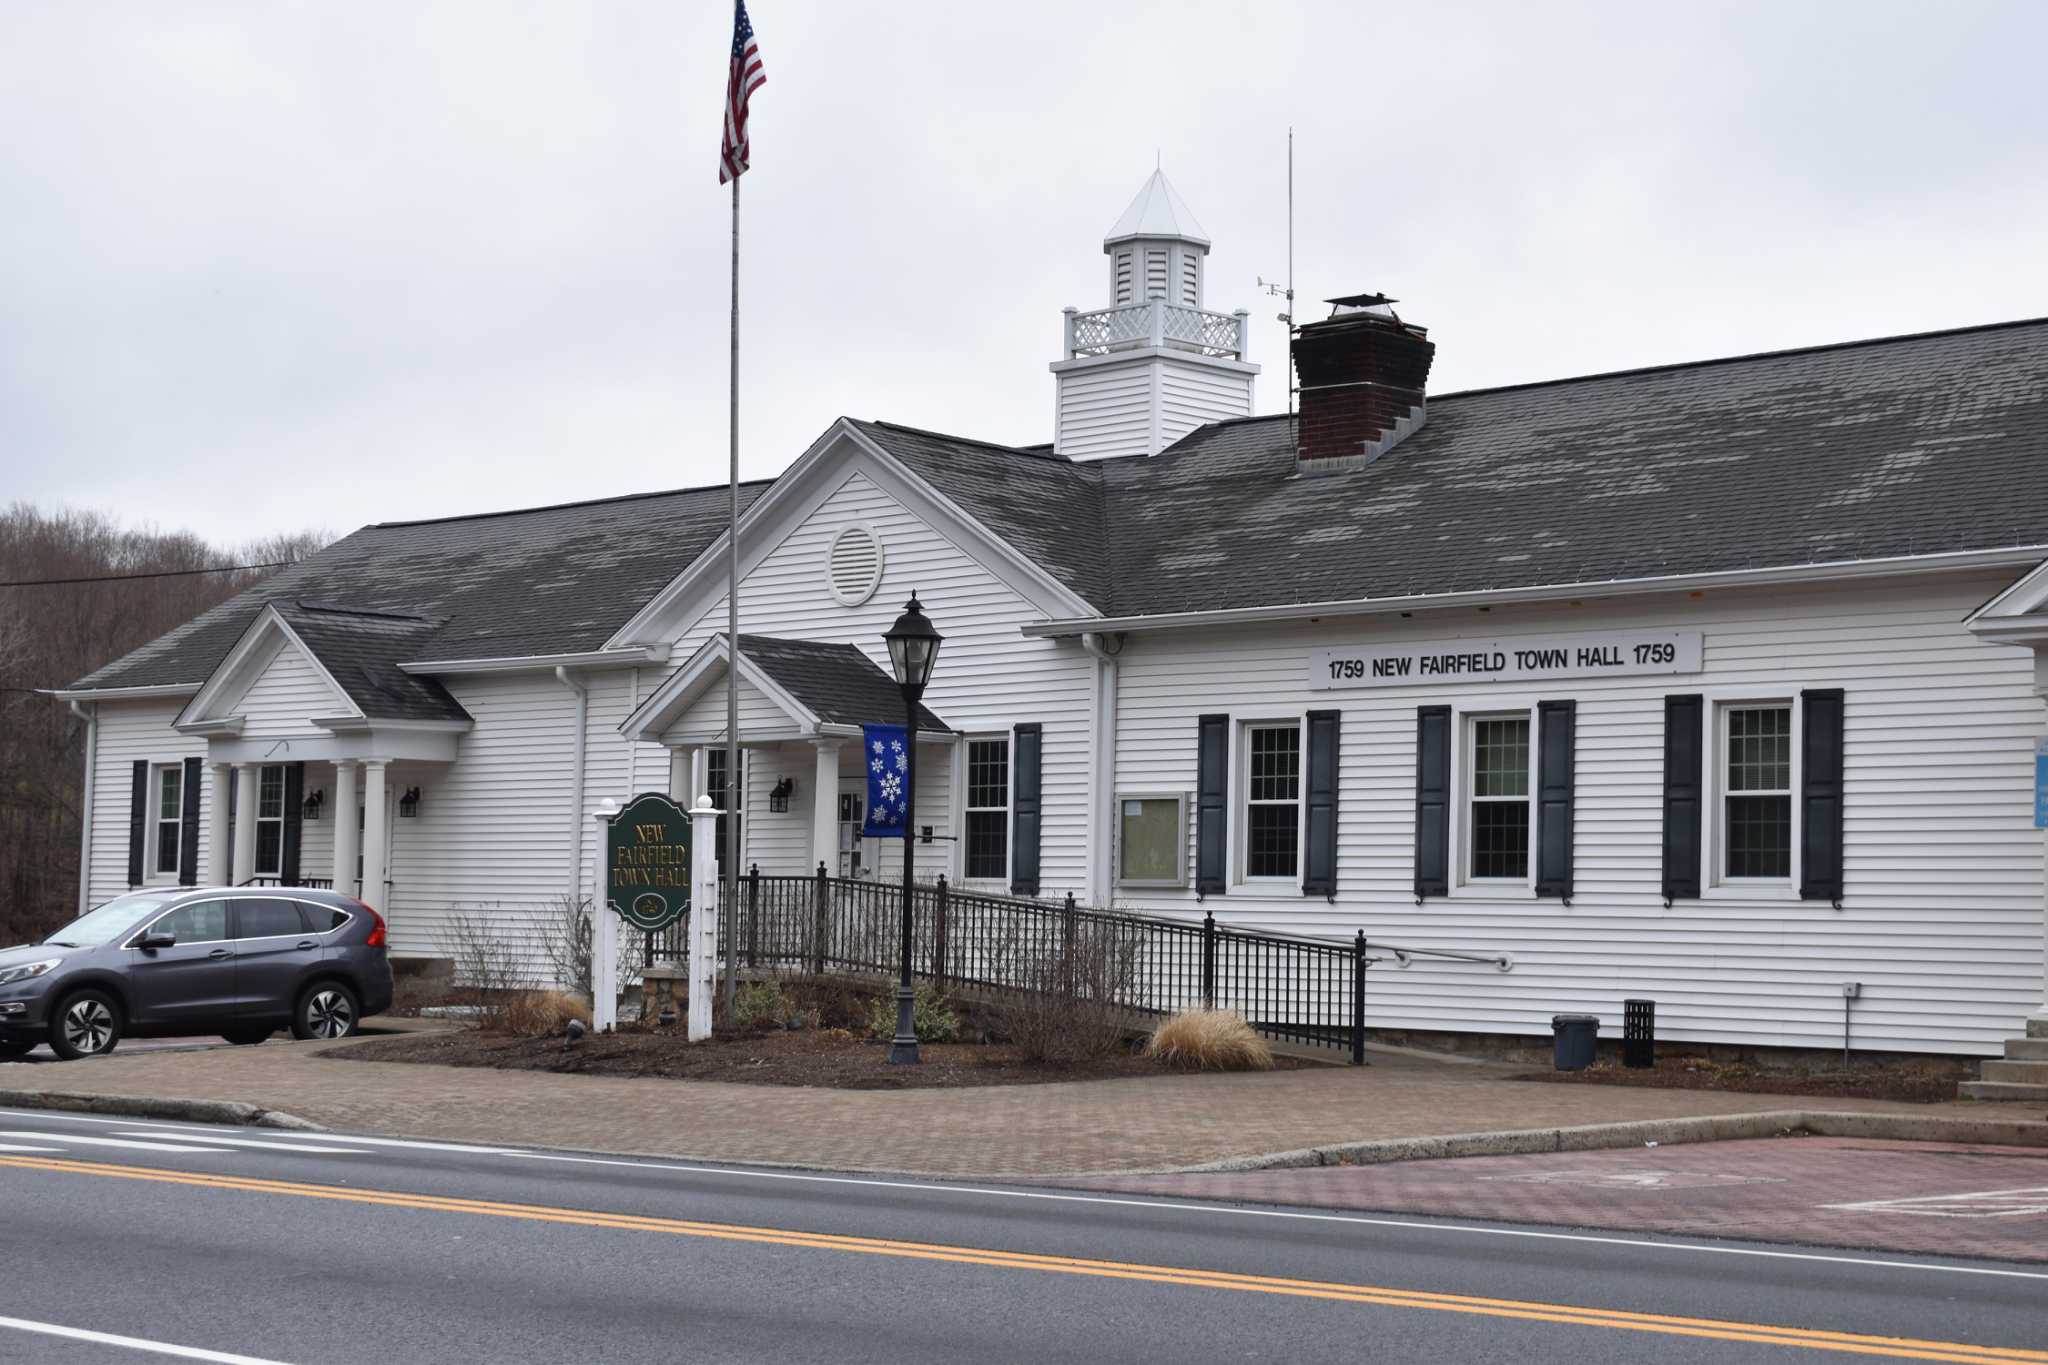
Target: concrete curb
x,y
152,1107
1641,1133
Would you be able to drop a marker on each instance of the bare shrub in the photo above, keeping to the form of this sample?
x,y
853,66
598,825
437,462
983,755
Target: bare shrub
x,y
565,936
1209,1040
490,975
1066,1001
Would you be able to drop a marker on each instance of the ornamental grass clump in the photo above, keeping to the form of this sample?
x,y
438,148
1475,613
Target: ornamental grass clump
x,y
1209,1040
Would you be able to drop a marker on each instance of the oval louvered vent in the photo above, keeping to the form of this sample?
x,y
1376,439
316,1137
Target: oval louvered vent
x,y
854,567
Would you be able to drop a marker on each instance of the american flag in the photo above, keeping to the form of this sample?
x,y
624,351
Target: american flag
x,y
747,77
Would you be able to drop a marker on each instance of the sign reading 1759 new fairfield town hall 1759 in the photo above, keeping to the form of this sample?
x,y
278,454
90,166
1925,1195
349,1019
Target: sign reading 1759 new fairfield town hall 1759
x,y
1533,658
647,862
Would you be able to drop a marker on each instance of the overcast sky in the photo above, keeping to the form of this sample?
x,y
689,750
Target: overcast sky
x,y
267,265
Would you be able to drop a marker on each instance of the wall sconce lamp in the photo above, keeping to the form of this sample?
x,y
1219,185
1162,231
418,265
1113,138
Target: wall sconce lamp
x,y
409,804
314,800
778,799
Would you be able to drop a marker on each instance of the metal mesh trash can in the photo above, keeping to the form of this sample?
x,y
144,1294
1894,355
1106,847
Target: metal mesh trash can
x,y
1639,1033
1576,1037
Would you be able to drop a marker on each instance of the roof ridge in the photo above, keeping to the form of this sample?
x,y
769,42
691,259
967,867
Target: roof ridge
x,y
330,608
563,506
1669,366
1040,451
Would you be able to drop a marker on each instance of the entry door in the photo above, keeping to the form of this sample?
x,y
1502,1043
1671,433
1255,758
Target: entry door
x,y
853,795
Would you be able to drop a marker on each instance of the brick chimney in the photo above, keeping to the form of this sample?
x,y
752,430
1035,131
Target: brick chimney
x,y
1361,373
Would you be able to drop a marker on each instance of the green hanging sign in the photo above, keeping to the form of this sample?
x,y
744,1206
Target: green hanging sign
x,y
647,862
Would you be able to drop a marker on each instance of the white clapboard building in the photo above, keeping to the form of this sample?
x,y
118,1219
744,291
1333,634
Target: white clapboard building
x,y
1712,683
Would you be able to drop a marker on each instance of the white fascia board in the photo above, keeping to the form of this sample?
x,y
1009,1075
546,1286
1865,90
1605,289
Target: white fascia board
x,y
924,736
359,724
592,659
229,727
2021,598
798,493
1831,571
1141,354
227,674
686,684
150,692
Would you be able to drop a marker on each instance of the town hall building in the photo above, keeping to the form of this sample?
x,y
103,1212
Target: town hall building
x,y
1713,683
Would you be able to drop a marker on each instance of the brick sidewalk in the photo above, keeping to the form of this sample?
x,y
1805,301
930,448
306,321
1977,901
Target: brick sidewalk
x,y
1960,1200
1025,1130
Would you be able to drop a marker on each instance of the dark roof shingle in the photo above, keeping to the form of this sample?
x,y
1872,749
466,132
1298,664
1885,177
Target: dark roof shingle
x,y
839,683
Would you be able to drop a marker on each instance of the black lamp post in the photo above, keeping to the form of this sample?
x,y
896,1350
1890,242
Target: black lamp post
x,y
913,649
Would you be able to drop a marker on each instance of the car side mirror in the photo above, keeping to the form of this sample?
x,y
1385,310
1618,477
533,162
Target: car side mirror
x,y
149,942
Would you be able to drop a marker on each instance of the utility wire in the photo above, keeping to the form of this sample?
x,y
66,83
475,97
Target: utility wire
x,y
125,577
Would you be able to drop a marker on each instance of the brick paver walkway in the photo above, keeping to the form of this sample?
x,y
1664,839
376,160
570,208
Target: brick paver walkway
x,y
1120,1125
1933,1198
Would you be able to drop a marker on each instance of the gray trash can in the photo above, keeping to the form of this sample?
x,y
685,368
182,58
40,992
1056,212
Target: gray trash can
x,y
1576,1038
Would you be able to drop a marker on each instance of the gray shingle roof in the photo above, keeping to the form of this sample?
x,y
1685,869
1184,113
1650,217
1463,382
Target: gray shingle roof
x,y
839,683
550,580
1865,450
362,651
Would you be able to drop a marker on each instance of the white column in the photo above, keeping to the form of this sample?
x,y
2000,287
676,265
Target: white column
x,y
345,832
825,810
703,920
220,778
604,930
681,788
376,835
245,822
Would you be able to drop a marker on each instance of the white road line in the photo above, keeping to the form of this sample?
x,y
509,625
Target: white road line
x,y
1168,1205
162,1348
11,1147
261,1146
69,1138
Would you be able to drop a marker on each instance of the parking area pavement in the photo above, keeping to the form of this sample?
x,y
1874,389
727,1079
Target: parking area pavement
x,y
1930,1198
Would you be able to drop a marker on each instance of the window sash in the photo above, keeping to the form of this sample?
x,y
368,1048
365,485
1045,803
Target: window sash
x,y
1499,812
270,820
986,856
170,815
1272,802
1755,770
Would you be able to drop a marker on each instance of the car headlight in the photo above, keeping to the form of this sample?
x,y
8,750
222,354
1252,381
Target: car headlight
x,y
27,971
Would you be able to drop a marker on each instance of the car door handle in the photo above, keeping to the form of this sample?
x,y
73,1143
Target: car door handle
x,y
219,953
308,943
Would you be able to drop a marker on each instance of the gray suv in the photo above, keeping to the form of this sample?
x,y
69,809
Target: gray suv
x,y
238,961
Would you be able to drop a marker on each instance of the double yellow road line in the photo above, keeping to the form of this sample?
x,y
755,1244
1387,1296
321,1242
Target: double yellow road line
x,y
1898,1348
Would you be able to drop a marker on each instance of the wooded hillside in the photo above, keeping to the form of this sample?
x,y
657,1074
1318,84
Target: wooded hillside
x,y
52,633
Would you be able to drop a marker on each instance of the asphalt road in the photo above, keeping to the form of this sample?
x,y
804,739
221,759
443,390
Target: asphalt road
x,y
230,1244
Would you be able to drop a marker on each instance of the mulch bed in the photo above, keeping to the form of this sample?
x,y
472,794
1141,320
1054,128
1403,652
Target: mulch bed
x,y
807,1057
1913,1082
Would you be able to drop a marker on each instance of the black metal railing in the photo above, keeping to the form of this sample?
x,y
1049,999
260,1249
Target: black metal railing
x,y
1290,988
307,883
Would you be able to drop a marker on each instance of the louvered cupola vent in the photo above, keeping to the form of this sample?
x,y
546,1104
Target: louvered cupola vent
x,y
854,567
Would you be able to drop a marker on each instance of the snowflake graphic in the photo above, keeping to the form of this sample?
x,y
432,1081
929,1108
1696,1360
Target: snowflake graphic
x,y
878,746
876,765
897,745
902,763
892,787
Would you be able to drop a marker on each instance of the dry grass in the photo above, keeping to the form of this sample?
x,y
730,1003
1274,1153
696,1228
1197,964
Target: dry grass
x,y
1209,1040
535,1014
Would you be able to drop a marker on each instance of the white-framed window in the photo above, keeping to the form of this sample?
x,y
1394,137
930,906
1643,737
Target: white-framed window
x,y
1753,766
270,820
714,787
986,856
1152,839
167,828
1271,794
1498,808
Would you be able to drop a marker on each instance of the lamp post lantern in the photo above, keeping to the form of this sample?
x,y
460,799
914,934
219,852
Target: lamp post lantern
x,y
913,649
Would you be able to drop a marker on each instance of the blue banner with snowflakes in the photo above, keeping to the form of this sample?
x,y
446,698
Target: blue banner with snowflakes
x,y
888,759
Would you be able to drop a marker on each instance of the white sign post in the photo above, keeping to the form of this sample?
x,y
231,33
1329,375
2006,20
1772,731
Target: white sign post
x,y
703,918
604,930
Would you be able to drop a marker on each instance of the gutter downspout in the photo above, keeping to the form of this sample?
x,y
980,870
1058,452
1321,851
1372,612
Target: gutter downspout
x,y
575,885
90,714
1102,779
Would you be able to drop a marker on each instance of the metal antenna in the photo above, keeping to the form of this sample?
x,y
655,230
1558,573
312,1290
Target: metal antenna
x,y
1271,287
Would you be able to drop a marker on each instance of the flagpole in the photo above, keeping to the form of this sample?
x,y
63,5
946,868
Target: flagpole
x,y
734,778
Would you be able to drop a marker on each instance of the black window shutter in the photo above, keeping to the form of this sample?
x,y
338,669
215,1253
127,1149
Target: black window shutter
x,y
1556,736
188,826
138,814
1684,740
1026,807
1432,801
1320,876
1820,795
294,817
1212,803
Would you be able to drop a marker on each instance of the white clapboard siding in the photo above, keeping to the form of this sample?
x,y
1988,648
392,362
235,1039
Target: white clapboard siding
x,y
1193,395
1942,917
285,696
128,731
704,722
1105,411
989,677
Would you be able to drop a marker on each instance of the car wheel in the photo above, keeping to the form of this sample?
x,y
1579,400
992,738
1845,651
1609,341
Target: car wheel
x,y
87,1024
248,1037
328,1009
13,1050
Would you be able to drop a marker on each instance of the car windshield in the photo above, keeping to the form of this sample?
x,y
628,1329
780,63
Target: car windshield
x,y
108,922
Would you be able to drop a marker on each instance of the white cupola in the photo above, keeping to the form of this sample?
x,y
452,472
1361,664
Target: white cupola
x,y
1154,365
